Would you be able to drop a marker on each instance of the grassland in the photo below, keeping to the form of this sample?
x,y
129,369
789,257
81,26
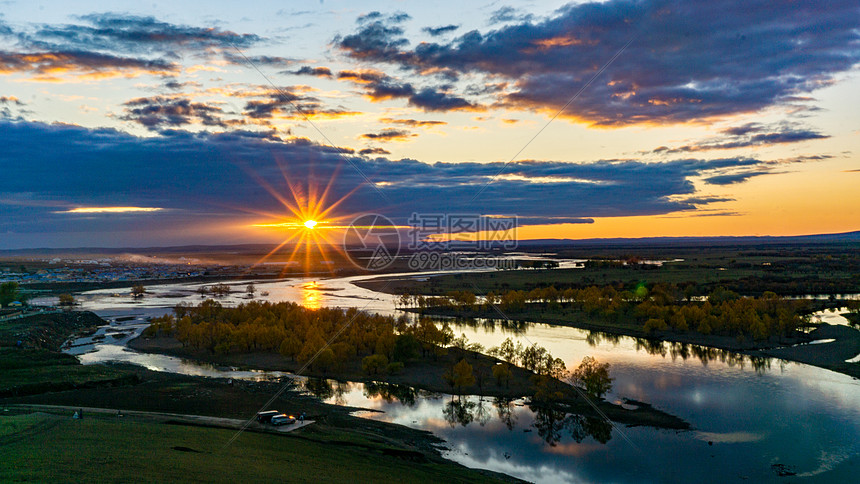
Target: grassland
x,y
750,271
42,447
30,361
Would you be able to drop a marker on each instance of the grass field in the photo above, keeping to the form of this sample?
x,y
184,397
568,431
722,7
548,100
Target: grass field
x,y
25,372
41,447
749,271
37,366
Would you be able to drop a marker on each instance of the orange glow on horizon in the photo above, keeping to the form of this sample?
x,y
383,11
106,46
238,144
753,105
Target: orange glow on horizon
x,y
111,209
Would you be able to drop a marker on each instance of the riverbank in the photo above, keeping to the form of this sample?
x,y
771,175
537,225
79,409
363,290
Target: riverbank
x,y
119,447
830,355
427,374
31,361
36,372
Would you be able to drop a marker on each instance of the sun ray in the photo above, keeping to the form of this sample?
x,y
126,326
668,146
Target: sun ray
x,y
312,223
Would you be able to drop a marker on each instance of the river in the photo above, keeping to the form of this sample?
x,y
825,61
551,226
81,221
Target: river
x,y
753,420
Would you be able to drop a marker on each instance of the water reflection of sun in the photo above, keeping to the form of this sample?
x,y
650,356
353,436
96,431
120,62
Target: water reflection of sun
x,y
311,295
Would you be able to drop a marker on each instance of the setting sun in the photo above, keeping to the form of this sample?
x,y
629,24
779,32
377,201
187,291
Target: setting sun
x,y
310,223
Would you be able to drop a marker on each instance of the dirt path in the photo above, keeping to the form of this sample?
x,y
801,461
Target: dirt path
x,y
203,420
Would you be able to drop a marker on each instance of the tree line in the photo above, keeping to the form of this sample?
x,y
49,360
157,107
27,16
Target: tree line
x,y
329,339
658,308
382,344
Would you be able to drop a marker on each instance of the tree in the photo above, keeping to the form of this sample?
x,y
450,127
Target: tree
x,y
67,300
461,375
374,364
138,290
592,377
721,295
406,348
325,361
250,289
9,293
502,374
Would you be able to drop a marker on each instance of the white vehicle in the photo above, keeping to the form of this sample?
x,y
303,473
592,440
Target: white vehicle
x,y
283,419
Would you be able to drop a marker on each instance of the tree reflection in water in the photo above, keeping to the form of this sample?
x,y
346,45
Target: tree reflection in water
x,y
517,328
552,422
505,411
653,347
684,351
391,392
459,411
549,423
482,412
581,427
325,389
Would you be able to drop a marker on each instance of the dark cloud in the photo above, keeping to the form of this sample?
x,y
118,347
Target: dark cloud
x,y
743,129
368,17
378,86
687,61
158,112
289,102
747,136
376,38
277,101
130,33
363,76
9,106
509,14
389,134
48,65
313,71
412,123
257,60
441,30
175,85
216,179
523,221
399,17
734,178
430,99
10,100
374,151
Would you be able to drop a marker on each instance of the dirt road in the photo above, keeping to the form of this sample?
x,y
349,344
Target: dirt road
x,y
203,420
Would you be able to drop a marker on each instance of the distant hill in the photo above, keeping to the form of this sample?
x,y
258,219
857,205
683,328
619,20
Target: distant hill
x,y
846,237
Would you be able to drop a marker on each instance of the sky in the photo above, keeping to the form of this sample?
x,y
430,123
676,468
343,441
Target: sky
x,y
134,124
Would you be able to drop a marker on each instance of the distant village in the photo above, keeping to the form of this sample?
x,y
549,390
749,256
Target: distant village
x,y
98,270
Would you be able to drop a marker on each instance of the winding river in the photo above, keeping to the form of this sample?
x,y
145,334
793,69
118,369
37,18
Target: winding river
x,y
755,421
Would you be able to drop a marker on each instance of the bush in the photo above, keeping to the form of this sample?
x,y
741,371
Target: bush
x,y
655,324
394,368
374,364
406,347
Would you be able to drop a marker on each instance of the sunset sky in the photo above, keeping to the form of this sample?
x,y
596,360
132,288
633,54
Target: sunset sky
x,y
172,123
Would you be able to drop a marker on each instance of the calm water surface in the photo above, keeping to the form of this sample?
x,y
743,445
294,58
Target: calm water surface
x,y
752,419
